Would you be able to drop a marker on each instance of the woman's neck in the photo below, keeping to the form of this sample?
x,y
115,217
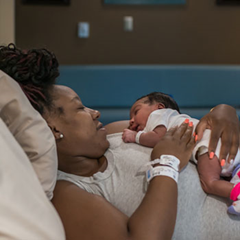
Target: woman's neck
x,y
83,166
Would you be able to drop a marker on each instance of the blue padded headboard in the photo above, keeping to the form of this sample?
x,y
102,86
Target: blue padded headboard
x,y
114,88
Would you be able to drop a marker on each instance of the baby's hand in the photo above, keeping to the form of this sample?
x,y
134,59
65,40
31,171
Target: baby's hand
x,y
129,136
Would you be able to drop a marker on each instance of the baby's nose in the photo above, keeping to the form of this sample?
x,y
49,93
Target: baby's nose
x,y
132,126
131,122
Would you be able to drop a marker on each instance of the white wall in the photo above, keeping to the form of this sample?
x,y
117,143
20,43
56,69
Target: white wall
x,y
7,21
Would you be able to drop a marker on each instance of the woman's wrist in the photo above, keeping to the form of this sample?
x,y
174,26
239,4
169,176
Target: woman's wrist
x,y
162,171
166,160
166,165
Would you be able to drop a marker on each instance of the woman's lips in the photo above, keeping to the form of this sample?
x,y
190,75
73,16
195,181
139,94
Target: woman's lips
x,y
99,126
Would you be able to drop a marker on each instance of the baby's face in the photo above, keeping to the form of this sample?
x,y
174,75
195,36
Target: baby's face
x,y
139,114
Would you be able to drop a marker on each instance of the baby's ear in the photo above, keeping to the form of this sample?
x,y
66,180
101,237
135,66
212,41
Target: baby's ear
x,y
161,106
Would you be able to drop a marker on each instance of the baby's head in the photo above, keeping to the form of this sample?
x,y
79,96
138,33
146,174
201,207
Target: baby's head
x,y
145,105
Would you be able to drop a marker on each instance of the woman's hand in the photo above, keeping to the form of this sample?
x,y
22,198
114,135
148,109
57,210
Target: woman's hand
x,y
224,123
179,142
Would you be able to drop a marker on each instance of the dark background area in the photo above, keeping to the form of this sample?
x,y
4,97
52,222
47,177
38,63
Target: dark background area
x,y
200,32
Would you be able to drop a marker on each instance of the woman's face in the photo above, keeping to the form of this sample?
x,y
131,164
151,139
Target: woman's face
x,y
83,134
139,114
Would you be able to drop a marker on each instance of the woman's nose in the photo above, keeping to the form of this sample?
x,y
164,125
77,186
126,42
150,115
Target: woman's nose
x,y
95,114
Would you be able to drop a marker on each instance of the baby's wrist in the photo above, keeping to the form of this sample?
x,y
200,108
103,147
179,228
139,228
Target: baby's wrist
x,y
137,137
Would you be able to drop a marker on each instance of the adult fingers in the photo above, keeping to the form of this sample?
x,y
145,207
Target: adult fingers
x,y
229,147
180,131
171,131
187,144
187,137
201,126
192,142
215,136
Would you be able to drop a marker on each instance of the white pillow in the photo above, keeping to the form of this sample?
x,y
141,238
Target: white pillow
x,y
26,213
30,130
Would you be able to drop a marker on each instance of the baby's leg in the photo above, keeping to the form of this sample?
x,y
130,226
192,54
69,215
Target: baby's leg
x,y
209,174
235,193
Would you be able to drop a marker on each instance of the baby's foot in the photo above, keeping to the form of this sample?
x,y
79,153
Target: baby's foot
x,y
234,208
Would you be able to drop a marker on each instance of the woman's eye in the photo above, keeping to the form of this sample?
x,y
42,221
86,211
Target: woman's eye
x,y
81,108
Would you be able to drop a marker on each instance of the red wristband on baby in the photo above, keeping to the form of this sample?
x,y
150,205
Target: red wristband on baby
x,y
235,192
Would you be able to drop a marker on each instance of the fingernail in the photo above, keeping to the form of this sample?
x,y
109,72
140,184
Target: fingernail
x,y
194,134
231,161
196,138
211,155
186,121
223,162
190,124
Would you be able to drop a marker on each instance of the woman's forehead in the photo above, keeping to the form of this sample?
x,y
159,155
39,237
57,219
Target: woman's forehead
x,y
61,91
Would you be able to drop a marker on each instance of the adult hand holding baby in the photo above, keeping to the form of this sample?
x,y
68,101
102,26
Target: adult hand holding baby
x,y
224,123
178,142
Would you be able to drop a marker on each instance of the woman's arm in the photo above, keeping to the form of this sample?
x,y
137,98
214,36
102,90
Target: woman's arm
x,y
224,123
116,127
87,216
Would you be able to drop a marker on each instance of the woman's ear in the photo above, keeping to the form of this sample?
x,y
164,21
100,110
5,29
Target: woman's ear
x,y
57,134
161,106
55,130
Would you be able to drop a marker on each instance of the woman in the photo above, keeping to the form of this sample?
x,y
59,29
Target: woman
x,y
84,158
81,143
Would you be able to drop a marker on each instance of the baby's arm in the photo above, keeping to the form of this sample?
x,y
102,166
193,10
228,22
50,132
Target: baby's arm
x,y
148,139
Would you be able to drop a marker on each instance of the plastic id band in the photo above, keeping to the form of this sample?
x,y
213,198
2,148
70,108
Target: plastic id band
x,y
168,160
138,136
162,171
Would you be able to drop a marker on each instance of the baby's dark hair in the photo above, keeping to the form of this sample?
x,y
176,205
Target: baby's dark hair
x,y
35,70
160,97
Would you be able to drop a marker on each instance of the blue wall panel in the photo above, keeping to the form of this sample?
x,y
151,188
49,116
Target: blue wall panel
x,y
115,88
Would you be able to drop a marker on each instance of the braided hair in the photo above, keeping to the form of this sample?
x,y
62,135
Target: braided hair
x,y
160,97
35,71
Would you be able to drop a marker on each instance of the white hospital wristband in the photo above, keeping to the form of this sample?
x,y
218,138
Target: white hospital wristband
x,y
168,160
202,150
162,171
137,138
